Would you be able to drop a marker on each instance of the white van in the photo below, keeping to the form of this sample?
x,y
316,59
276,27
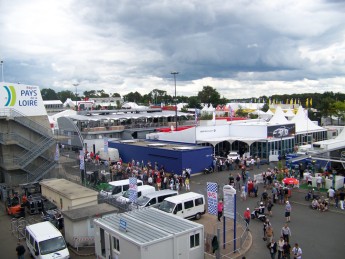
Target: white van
x,y
45,241
117,188
142,190
153,198
187,205
112,155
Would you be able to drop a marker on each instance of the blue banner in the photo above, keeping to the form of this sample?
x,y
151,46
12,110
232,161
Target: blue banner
x,y
212,198
81,158
133,190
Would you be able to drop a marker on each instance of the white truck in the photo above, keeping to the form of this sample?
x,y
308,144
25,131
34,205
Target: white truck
x,y
112,156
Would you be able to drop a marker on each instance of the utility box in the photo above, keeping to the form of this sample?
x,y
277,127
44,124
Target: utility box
x,y
148,234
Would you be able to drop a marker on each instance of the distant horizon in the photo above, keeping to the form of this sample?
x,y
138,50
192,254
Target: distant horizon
x,y
240,48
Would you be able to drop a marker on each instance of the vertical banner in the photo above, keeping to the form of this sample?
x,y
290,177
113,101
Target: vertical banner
x,y
133,190
229,194
212,198
57,153
105,145
196,116
229,211
81,159
230,112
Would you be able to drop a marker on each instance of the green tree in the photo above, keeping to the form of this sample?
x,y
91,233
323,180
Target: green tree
x,y
326,107
49,94
133,97
209,95
339,110
63,95
240,112
115,95
265,108
102,93
194,102
90,94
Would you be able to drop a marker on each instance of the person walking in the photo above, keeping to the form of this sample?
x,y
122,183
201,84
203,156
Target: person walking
x,y
341,199
20,249
243,193
186,183
269,233
269,207
286,250
280,246
286,232
272,246
297,252
247,217
288,209
220,209
266,224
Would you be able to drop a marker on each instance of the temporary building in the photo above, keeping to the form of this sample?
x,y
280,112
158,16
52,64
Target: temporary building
x,y
79,226
278,117
303,123
148,234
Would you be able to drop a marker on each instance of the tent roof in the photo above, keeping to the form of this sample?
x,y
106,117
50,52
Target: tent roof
x,y
303,123
278,117
289,113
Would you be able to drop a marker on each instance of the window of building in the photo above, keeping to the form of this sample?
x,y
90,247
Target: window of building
x,y
194,240
116,244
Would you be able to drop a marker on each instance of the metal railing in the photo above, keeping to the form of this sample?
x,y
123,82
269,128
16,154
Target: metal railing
x,y
240,241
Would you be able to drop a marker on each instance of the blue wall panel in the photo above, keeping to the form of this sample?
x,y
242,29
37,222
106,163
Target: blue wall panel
x,y
172,160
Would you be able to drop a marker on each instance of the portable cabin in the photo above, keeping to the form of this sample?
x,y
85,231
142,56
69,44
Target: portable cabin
x,y
79,226
148,234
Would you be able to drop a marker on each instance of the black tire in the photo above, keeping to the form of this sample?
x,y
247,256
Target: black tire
x,y
306,198
197,216
252,216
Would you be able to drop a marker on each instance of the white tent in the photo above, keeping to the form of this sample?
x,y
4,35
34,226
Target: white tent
x,y
303,123
278,117
289,114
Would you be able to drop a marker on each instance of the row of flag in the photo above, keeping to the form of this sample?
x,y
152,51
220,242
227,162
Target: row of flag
x,y
292,101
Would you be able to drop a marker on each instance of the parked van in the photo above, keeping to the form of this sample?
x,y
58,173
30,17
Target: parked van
x,y
112,155
187,205
153,198
117,188
142,190
45,241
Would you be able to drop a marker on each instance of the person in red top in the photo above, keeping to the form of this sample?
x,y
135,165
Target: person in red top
x,y
159,182
250,187
247,217
220,209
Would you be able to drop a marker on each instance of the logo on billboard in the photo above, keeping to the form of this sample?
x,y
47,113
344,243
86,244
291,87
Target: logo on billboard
x,y
11,95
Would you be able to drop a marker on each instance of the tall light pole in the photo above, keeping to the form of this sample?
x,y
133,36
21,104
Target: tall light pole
x,y
76,96
175,73
2,71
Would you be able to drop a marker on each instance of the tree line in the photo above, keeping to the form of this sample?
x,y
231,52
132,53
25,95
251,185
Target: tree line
x,y
326,104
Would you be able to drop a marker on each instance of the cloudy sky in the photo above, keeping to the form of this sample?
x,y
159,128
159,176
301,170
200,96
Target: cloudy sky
x,y
242,48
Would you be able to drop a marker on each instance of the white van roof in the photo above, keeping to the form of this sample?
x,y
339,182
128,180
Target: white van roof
x,y
159,193
122,182
145,187
184,197
43,231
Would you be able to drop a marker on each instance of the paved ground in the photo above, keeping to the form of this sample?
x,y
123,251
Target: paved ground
x,y
320,235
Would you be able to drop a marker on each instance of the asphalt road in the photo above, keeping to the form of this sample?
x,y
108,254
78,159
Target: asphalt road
x,y
320,235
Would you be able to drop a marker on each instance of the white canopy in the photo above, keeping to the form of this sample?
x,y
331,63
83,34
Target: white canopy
x,y
289,113
278,117
303,123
